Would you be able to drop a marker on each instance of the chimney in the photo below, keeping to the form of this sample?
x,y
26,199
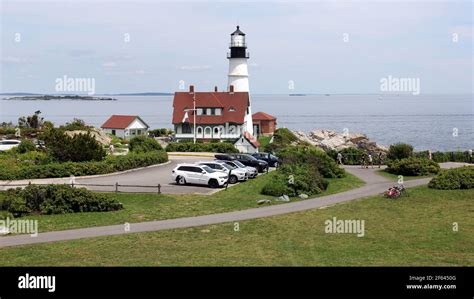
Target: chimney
x,y
191,88
231,89
215,88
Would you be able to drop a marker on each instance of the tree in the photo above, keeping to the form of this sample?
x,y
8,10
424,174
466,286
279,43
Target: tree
x,y
81,147
33,121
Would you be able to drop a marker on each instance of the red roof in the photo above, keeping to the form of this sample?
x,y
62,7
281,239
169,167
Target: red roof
x,y
263,116
234,106
251,139
120,121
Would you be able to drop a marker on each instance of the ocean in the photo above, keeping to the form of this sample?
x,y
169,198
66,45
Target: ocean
x,y
435,122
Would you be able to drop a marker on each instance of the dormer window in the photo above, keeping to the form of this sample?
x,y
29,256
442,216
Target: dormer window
x,y
231,109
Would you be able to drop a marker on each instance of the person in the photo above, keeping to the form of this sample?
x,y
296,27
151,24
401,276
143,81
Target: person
x,y
371,161
111,149
470,155
362,162
339,158
429,155
380,159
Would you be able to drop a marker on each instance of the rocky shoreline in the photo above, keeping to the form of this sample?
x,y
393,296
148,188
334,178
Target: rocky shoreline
x,y
332,140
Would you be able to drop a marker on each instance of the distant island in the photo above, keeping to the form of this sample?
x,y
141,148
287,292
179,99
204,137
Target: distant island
x,y
57,97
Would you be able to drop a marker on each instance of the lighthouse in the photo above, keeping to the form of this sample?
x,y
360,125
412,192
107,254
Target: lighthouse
x,y
238,77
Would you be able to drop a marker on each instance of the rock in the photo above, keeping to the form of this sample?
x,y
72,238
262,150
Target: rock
x,y
331,140
262,201
283,198
99,135
205,231
303,196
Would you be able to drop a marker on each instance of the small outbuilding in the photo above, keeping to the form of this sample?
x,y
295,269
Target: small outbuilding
x,y
247,144
263,124
125,126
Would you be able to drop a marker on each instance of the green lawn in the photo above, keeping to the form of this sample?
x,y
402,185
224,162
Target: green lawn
x,y
412,231
148,207
394,177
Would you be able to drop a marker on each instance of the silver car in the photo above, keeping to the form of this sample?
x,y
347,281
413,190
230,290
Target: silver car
x,y
251,171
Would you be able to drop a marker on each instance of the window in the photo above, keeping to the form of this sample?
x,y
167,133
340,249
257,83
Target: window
x,y
113,132
213,111
186,128
199,111
199,130
218,111
231,109
208,111
204,111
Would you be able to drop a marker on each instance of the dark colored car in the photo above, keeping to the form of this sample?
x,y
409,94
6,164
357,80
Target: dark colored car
x,y
272,160
249,160
245,159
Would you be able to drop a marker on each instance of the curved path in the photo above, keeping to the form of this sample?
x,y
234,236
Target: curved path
x,y
375,184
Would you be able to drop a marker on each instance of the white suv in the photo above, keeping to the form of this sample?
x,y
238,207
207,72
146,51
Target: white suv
x,y
198,174
235,173
6,145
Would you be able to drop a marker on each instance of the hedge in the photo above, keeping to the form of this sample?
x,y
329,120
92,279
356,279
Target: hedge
x,y
440,157
413,167
456,178
399,151
312,156
214,147
66,169
55,199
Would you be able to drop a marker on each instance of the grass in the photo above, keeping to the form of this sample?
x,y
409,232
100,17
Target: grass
x,y
394,177
149,207
412,231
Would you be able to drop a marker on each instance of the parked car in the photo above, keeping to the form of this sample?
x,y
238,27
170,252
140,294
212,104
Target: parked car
x,y
224,157
198,174
251,171
272,160
7,144
249,160
235,175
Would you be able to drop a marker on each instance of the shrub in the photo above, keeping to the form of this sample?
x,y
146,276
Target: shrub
x,y
447,156
160,132
56,199
219,147
25,146
282,137
399,151
413,167
66,169
351,155
144,144
293,180
313,157
456,178
79,148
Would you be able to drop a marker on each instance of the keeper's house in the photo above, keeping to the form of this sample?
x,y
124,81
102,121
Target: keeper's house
x,y
215,115
125,126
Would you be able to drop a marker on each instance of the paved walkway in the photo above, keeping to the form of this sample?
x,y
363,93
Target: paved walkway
x,y
375,184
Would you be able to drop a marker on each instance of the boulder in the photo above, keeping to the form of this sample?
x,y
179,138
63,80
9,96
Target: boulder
x,y
303,196
284,198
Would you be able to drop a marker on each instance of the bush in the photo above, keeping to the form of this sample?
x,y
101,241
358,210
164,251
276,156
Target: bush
x,y
413,167
447,156
143,144
160,132
56,199
25,146
399,151
79,148
111,164
293,180
456,178
281,138
219,147
313,157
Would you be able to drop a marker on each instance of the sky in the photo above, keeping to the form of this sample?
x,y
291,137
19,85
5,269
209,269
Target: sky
x,y
295,47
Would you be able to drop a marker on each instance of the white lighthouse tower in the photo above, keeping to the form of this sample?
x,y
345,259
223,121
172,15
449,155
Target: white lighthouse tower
x,y
238,76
